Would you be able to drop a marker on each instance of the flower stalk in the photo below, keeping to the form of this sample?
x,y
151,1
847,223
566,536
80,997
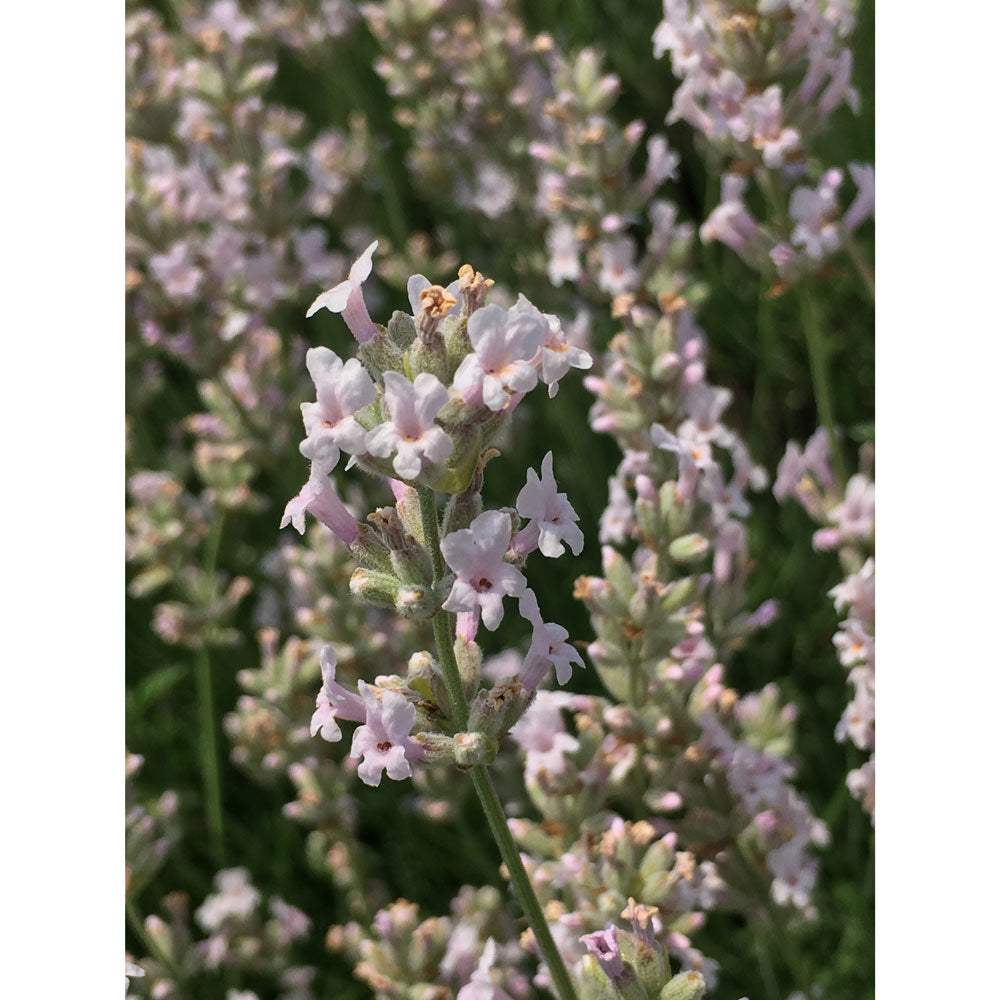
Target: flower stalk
x,y
444,638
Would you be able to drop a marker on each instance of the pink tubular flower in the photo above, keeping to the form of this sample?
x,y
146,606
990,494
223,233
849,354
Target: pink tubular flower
x,y
504,345
333,701
482,578
320,499
548,647
603,945
411,432
552,519
558,355
341,390
383,743
346,298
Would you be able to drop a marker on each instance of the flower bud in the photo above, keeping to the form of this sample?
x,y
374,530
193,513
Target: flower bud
x,y
495,711
461,464
679,594
375,588
457,343
438,748
684,986
474,748
402,329
370,551
594,985
380,354
688,548
428,355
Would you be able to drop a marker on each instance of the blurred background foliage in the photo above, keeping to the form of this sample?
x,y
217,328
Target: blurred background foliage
x,y
755,348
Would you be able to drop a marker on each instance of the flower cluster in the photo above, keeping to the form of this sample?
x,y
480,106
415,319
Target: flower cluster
x,y
421,407
760,84
241,941
669,615
847,519
438,958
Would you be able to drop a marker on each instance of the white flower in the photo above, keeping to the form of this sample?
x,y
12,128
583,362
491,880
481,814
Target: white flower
x,y
411,432
549,512
482,577
341,390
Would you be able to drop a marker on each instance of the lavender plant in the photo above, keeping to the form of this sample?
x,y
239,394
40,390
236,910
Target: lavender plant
x,y
638,808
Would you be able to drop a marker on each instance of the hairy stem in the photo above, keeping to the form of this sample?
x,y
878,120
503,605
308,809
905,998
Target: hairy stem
x,y
444,638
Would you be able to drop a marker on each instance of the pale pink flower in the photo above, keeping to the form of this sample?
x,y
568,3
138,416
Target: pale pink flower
x,y
482,577
410,431
540,732
551,518
794,874
383,743
346,298
548,647
812,210
481,985
504,344
857,592
558,355
730,222
320,499
333,701
618,273
564,253
764,116
176,271
855,517
341,390
235,898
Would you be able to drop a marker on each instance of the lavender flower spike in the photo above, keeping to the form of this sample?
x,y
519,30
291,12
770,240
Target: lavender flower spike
x,y
346,298
333,701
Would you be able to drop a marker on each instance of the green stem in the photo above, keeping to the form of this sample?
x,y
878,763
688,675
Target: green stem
x,y
861,265
526,897
561,983
816,350
209,751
